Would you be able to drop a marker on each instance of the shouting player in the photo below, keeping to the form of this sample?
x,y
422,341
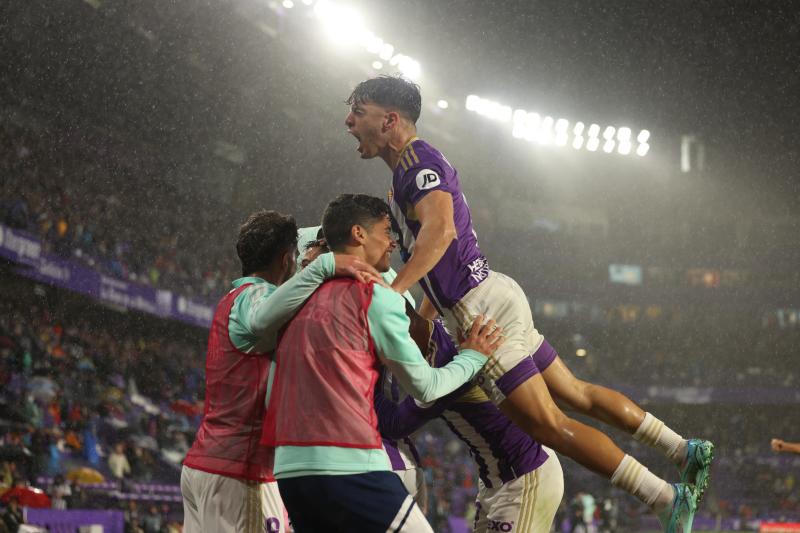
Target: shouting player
x,y
441,252
226,480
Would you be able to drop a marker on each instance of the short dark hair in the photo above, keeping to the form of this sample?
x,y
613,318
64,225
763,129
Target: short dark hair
x,y
262,237
348,210
389,91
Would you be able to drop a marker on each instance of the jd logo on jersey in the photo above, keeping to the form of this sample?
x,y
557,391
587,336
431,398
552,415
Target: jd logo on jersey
x,y
427,179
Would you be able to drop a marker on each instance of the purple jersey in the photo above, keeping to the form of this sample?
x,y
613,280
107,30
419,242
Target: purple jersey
x,y
421,170
501,450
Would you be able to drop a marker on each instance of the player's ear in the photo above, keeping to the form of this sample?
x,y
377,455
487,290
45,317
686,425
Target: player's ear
x,y
390,120
358,233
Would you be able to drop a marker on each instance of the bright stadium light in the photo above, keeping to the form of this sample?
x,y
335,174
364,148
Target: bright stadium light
x,y
592,144
594,130
386,51
608,147
472,102
288,4
546,131
624,134
609,132
308,2
577,142
643,136
442,104
377,65
578,129
624,147
642,150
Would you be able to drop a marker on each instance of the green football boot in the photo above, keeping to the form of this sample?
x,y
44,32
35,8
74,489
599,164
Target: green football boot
x,y
696,469
679,517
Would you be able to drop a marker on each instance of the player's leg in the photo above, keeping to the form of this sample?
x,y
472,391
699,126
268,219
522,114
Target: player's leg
x,y
526,504
692,457
191,511
275,517
224,504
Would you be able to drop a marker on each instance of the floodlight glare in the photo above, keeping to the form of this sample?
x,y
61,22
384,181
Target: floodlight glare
x,y
518,131
409,67
577,142
308,2
520,115
608,147
643,136
442,104
377,65
609,133
472,102
594,130
592,144
642,149
288,4
386,51
561,138
578,129
624,147
624,134
561,125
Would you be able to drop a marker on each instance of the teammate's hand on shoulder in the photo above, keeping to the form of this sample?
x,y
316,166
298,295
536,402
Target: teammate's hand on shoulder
x,y
354,267
777,445
483,338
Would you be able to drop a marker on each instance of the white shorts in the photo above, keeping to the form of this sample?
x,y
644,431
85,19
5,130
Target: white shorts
x,y
212,502
527,504
414,481
500,298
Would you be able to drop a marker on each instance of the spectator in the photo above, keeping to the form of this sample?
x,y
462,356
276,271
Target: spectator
x,y
60,492
12,517
118,462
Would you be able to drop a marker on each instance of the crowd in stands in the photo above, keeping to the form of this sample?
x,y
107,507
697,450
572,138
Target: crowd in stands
x,y
91,207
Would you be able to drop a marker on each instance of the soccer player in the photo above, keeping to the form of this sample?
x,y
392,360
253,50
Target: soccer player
x,y
441,252
779,445
226,480
332,471
520,481
401,451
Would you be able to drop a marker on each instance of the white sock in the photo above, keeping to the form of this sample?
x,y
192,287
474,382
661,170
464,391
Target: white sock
x,y
655,433
634,477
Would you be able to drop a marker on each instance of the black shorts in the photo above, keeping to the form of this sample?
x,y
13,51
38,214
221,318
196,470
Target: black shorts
x,y
365,503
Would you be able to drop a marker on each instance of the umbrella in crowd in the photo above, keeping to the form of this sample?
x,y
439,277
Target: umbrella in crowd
x,y
85,475
27,497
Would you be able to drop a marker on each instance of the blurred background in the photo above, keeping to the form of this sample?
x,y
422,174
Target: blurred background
x,y
634,165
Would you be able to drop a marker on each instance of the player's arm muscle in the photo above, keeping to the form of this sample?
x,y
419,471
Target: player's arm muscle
x,y
437,231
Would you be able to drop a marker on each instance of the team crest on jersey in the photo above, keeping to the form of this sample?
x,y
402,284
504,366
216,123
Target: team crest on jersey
x,y
390,196
427,179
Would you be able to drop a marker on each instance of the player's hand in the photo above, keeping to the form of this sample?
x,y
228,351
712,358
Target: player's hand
x,y
483,338
777,445
354,267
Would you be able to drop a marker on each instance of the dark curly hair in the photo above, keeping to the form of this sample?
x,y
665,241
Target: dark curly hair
x,y
263,237
348,210
393,92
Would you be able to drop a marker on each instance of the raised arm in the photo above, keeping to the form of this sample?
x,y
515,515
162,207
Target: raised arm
x,y
437,231
779,445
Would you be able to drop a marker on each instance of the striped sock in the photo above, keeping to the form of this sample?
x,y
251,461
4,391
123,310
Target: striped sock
x,y
655,433
633,477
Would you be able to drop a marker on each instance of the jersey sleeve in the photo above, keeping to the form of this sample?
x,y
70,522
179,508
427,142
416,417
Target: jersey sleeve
x,y
423,178
265,311
399,420
396,349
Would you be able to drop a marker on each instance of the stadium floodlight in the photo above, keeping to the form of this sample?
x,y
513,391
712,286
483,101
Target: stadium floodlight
x,y
624,134
308,2
409,67
608,147
577,142
546,131
472,102
288,4
562,125
386,51
581,352
373,43
608,134
592,144
624,147
578,129
643,136
594,130
561,138
377,65
642,149
442,104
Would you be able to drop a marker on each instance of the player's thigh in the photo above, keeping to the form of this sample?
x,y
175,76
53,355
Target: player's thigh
x,y
227,504
276,519
191,514
564,387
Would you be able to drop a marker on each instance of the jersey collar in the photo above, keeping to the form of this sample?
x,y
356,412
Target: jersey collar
x,y
403,151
